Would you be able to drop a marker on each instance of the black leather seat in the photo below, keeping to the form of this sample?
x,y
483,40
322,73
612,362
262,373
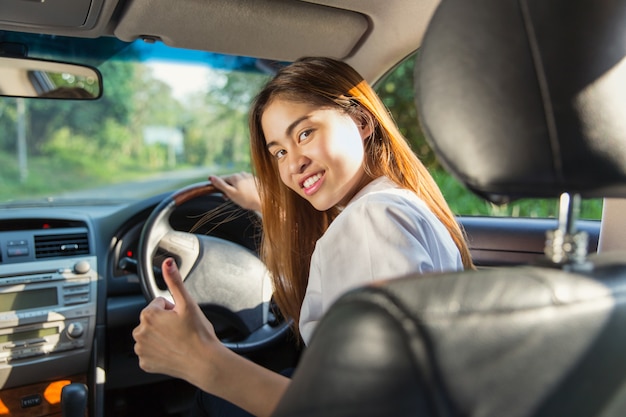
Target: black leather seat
x,y
519,99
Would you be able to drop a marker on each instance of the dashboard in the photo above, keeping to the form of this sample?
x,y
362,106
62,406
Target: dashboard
x,y
70,296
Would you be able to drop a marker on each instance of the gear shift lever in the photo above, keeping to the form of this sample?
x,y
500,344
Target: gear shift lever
x,y
74,400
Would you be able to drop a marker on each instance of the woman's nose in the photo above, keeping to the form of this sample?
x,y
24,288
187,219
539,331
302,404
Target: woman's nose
x,y
298,163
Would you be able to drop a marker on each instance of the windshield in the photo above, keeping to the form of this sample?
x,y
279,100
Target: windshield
x,y
167,118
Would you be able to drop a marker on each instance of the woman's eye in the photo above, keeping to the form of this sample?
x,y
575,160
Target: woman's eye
x,y
279,154
304,135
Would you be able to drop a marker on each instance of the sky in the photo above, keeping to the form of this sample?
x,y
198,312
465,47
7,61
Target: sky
x,y
184,79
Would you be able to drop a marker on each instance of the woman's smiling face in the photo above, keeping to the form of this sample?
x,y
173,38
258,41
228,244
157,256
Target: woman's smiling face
x,y
319,151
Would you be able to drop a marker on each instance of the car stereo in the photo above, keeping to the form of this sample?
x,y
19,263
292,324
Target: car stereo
x,y
46,311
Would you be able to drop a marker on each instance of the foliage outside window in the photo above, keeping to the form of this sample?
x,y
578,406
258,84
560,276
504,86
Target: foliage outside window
x,y
73,145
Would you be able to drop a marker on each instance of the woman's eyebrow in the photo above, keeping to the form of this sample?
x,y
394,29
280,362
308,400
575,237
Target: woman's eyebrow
x,y
295,123
289,129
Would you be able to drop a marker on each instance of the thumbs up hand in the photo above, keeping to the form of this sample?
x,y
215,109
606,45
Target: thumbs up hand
x,y
172,337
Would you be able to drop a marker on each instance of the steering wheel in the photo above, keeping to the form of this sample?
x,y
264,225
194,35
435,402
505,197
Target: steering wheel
x,y
229,282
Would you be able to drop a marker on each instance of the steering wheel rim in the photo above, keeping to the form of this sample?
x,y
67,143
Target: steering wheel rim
x,y
197,256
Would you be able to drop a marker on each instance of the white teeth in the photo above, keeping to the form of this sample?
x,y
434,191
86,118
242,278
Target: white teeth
x,y
312,180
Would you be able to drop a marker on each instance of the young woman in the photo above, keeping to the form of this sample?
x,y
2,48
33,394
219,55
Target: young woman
x,y
344,202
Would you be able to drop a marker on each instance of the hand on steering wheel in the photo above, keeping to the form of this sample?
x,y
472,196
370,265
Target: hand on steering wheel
x,y
240,189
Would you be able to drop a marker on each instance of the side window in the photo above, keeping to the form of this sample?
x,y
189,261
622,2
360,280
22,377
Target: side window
x,y
396,91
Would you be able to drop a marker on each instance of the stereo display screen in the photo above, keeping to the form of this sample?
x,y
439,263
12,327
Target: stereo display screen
x,y
29,334
13,301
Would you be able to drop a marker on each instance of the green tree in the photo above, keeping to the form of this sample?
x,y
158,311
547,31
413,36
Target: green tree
x,y
397,92
46,116
8,124
154,102
218,127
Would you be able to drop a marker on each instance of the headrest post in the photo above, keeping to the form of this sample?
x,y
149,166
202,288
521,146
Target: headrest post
x,y
565,245
569,210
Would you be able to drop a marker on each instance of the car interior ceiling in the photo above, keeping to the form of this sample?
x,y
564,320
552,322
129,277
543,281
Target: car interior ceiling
x,y
553,330
294,31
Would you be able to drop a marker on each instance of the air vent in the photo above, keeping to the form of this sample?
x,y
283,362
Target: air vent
x,y
49,246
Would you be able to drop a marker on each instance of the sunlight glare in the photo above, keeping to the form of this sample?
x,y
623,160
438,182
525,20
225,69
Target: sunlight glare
x,y
183,78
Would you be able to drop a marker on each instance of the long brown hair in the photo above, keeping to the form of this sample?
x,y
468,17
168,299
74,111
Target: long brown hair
x,y
291,226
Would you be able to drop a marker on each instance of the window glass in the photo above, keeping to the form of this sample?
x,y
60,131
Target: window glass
x,y
396,91
167,118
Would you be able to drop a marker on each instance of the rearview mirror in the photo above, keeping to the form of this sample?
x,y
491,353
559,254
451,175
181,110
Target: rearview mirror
x,y
36,78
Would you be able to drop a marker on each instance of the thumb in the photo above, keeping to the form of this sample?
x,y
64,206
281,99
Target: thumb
x,y
174,283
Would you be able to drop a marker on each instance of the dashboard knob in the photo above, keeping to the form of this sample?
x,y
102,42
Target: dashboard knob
x,y
74,330
82,267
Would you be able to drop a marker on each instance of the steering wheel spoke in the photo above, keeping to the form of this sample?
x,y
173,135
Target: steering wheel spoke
x,y
185,247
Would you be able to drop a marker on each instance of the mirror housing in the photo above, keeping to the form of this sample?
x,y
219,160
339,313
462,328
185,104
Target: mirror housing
x,y
38,78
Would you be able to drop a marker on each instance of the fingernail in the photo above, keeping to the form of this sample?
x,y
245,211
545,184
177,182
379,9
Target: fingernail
x,y
169,263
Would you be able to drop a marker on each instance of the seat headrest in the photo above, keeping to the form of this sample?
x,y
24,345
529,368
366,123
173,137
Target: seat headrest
x,y
527,98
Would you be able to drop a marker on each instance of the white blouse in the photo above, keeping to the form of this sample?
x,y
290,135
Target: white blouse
x,y
384,232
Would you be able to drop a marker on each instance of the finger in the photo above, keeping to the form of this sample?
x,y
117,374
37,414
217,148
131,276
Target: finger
x,y
149,313
158,302
174,283
168,305
221,184
135,333
161,303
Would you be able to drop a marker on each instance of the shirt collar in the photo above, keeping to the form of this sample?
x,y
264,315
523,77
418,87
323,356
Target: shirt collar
x,y
377,184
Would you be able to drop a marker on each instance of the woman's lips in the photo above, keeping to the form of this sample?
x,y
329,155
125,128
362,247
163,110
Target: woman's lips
x,y
312,183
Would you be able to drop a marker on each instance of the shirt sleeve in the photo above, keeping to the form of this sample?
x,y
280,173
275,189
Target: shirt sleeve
x,y
378,237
